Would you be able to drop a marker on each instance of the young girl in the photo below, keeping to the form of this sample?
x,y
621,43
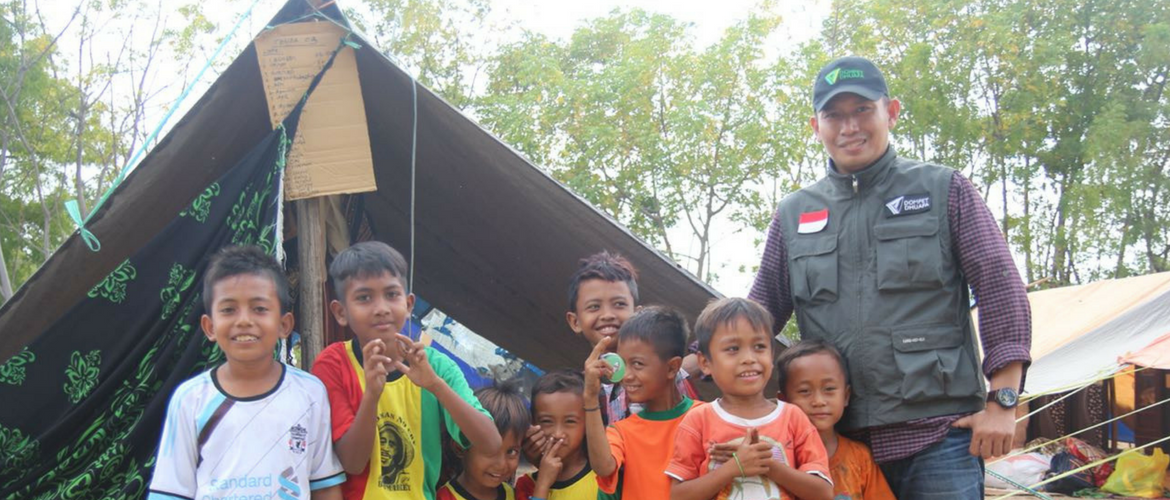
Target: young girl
x,y
485,476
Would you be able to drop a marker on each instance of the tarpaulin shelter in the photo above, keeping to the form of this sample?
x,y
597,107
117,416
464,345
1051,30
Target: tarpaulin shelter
x,y
495,240
496,237
1080,333
1086,336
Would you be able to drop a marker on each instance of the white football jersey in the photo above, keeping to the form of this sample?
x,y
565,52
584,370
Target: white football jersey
x,y
276,445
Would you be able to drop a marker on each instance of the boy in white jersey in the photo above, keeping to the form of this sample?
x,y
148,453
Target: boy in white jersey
x,y
251,427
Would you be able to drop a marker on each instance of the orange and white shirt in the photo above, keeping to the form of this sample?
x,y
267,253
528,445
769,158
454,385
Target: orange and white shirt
x,y
794,440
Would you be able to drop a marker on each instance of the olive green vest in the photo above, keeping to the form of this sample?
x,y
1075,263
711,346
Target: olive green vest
x,y
878,280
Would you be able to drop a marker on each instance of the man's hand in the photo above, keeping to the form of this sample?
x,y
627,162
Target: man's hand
x,y
419,370
992,430
376,366
595,369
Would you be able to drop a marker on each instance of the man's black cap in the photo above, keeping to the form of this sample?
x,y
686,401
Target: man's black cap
x,y
852,74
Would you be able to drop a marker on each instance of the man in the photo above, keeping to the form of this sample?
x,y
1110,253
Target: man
x,y
876,258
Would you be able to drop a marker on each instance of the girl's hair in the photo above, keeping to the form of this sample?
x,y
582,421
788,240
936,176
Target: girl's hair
x,y
506,405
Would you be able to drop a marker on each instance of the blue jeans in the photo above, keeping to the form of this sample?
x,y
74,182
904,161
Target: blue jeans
x,y
944,470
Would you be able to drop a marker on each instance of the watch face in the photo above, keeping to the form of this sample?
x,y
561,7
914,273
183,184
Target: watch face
x,y
1006,398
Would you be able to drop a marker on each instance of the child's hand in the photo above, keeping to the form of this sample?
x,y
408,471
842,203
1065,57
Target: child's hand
x,y
376,366
595,369
419,368
533,444
721,452
550,465
754,456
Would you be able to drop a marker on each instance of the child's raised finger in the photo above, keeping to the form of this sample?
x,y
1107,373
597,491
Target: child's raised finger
x,y
372,347
552,449
600,347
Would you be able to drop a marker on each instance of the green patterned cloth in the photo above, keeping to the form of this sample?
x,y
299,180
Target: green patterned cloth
x,y
83,404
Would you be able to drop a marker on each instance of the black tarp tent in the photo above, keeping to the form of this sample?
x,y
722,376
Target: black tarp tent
x,y
496,238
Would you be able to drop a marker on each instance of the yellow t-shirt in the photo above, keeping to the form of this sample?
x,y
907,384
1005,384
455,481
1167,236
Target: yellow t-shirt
x,y
454,491
582,486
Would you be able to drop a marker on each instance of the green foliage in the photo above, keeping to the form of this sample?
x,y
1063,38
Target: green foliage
x,y
1060,106
631,116
1057,110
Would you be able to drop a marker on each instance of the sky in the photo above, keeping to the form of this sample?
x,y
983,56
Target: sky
x,y
732,249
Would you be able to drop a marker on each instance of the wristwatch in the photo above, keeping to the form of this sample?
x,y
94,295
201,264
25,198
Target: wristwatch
x,y
1005,397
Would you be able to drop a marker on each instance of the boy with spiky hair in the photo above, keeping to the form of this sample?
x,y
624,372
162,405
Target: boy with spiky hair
x,y
251,396
603,294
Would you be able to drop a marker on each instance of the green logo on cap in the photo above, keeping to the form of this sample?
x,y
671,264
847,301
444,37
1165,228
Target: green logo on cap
x,y
832,76
848,74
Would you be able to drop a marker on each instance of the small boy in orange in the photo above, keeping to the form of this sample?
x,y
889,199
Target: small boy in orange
x,y
776,451
812,376
630,456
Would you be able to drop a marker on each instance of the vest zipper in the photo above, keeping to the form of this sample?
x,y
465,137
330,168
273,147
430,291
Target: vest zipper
x,y
859,229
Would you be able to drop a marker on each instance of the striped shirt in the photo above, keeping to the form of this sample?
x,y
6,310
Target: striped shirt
x,y
1005,319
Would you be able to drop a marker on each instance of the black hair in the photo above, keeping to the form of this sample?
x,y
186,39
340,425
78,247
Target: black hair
x,y
366,260
661,327
807,348
605,266
564,380
507,407
239,260
724,312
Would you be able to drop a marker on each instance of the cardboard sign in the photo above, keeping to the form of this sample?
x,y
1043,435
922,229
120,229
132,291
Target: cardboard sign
x,y
331,152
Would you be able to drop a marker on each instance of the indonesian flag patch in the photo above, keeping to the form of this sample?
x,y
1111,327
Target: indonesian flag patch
x,y
813,222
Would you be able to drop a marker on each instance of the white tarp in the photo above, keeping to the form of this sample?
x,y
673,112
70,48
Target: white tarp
x,y
1079,333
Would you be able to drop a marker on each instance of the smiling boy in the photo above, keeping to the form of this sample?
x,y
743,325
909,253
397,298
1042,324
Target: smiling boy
x,y
214,418
813,377
390,395
630,456
778,454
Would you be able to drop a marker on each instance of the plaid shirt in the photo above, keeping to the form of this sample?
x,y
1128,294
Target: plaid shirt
x,y
1005,322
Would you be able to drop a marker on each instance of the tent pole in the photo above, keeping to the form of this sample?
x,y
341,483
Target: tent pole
x,y
311,293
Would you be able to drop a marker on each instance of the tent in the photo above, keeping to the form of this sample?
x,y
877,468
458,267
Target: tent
x,y
1086,334
92,345
496,237
1081,333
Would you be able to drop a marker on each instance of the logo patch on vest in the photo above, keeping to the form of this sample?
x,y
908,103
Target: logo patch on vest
x,y
908,204
813,222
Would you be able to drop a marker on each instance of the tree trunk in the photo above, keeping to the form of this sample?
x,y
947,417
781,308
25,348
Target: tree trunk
x,y
1059,238
1004,175
1028,220
5,282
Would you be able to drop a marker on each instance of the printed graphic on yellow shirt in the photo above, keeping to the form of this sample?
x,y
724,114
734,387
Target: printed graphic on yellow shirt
x,y
754,487
396,464
396,450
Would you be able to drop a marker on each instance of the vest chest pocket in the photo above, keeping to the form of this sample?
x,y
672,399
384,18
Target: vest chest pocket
x,y
934,363
813,269
909,256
